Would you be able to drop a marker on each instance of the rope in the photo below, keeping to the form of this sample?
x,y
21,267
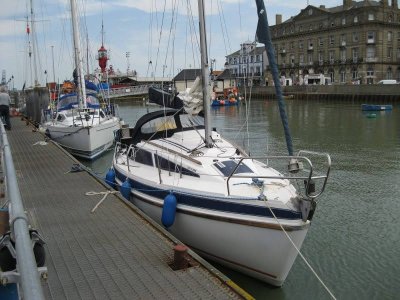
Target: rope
x,y
298,251
105,194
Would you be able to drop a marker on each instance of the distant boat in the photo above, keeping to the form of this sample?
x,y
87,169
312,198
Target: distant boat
x,y
374,107
224,102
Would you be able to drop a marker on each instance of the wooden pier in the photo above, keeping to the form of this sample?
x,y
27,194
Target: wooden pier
x,y
116,252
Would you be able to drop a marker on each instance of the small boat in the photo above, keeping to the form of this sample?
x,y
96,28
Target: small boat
x,y
375,107
78,122
241,211
224,102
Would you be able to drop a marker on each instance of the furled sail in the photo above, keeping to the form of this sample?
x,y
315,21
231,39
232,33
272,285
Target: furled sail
x,y
191,99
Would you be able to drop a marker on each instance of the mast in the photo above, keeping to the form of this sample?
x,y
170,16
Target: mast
x,y
35,78
78,56
205,72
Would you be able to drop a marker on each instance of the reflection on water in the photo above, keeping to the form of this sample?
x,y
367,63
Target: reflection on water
x,y
353,243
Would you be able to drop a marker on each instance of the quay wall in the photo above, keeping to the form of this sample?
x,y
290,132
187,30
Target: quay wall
x,y
357,93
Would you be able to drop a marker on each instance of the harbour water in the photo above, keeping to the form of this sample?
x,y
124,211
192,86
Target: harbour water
x,y
354,241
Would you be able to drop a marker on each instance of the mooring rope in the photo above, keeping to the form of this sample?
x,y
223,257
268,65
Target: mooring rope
x,y
298,251
105,194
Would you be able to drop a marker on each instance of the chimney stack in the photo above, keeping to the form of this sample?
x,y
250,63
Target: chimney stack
x,y
347,4
278,19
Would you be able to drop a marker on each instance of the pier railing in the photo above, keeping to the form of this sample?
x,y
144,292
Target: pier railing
x,y
27,274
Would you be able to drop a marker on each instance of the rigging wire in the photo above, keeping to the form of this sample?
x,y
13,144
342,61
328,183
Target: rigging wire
x,y
224,28
159,39
298,251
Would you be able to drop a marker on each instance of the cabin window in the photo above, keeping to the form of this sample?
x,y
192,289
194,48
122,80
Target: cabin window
x,y
226,167
167,165
159,124
144,157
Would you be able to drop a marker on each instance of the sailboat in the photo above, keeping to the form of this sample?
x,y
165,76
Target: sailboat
x,y
231,208
79,123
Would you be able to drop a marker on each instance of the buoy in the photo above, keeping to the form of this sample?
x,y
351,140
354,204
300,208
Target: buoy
x,y
169,210
110,178
125,189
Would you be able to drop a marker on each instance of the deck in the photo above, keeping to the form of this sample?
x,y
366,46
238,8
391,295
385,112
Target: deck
x,y
115,252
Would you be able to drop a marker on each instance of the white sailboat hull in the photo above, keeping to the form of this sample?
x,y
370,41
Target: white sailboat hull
x,y
86,142
258,248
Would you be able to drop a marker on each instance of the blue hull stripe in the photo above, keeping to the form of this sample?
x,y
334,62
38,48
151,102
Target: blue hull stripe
x,y
216,204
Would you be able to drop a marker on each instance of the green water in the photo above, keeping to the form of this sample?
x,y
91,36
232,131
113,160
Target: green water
x,y
354,241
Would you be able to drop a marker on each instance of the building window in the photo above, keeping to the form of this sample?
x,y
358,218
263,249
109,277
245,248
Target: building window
x,y
300,44
292,59
343,55
310,12
331,40
310,43
301,28
398,53
310,59
389,36
370,75
355,37
370,52
292,45
371,37
344,21
331,73
355,54
301,59
389,74
252,58
355,20
370,72
321,57
258,58
389,52
342,75
354,73
331,56
321,41
371,17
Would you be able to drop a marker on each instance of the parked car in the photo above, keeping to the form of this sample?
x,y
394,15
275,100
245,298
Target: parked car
x,y
388,81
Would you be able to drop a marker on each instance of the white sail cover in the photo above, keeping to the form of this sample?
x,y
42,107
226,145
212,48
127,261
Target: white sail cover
x,y
192,98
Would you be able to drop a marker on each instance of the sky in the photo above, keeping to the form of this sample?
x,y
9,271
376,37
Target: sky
x,y
152,37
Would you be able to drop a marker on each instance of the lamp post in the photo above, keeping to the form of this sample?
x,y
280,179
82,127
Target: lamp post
x,y
128,54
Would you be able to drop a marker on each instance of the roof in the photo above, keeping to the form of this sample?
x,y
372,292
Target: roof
x,y
335,9
187,74
256,50
226,74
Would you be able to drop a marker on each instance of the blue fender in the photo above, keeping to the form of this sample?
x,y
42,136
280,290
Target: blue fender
x,y
110,178
125,189
169,210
